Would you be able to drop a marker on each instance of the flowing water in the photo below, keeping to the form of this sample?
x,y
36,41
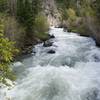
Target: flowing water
x,y
72,73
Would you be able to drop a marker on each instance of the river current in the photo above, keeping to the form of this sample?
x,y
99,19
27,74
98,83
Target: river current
x,y
71,73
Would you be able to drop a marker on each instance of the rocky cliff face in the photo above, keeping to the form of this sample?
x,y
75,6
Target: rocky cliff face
x,y
51,11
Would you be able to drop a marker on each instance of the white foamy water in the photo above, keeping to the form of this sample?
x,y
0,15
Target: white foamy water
x,y
72,73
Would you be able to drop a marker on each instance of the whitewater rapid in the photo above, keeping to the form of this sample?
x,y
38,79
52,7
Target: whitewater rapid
x,y
71,73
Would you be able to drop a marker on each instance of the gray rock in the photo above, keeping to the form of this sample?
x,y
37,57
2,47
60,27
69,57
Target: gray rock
x,y
51,36
47,44
51,52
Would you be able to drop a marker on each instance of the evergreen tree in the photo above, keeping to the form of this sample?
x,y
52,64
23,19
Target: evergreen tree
x,y
3,5
26,13
97,8
20,10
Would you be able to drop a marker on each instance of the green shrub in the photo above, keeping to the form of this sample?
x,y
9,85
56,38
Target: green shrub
x,y
7,51
71,14
41,27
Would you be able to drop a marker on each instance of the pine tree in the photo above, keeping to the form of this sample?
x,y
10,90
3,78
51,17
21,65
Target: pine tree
x,y
97,8
3,5
26,14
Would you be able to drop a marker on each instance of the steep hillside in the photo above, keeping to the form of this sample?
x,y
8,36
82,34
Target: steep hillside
x,y
81,16
51,11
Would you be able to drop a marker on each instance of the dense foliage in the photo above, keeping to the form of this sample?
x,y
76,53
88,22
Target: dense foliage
x,y
26,13
96,6
7,51
79,13
3,5
23,24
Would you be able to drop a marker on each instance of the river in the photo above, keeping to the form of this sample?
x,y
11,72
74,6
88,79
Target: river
x,y
71,73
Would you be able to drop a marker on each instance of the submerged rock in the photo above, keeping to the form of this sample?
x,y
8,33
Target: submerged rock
x,y
51,52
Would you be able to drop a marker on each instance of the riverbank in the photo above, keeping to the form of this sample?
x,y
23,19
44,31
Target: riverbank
x,y
4,88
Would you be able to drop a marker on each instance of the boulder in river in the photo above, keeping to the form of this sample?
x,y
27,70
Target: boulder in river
x,y
51,52
47,44
51,36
